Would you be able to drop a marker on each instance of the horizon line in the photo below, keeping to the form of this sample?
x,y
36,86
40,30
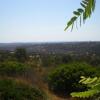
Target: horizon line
x,y
48,42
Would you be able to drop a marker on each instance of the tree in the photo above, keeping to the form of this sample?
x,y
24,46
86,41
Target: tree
x,y
21,54
83,13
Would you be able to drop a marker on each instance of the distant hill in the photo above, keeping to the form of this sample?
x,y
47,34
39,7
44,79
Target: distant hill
x,y
55,48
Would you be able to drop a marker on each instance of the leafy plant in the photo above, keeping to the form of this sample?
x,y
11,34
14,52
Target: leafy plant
x,y
17,90
84,12
93,91
12,68
66,77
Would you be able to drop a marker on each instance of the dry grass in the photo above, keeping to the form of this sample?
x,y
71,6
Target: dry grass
x,y
35,78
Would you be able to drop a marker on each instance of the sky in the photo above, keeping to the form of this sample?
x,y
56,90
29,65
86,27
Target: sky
x,y
44,21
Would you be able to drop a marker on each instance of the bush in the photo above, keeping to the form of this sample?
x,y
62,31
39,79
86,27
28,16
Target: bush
x,y
16,90
12,68
65,79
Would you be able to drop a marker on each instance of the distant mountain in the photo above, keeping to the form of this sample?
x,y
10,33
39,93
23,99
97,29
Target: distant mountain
x,y
55,48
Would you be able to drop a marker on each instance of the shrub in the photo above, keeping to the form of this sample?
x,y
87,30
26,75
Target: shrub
x,y
12,68
65,79
16,90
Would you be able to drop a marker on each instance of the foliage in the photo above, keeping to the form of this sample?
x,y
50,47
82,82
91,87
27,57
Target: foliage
x,y
16,90
55,59
94,88
12,68
84,12
95,60
66,77
21,54
5,55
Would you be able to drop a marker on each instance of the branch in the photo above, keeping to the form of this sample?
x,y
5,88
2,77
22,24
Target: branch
x,y
82,13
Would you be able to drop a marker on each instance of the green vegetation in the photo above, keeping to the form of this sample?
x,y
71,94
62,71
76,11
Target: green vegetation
x,y
51,73
65,79
21,54
94,88
17,90
11,68
61,80
85,12
55,60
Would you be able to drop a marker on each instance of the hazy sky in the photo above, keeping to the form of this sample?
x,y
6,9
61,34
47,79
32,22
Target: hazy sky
x,y
44,21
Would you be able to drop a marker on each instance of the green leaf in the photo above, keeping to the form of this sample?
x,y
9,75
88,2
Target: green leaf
x,y
84,6
76,13
85,2
80,10
85,94
73,19
94,88
85,12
